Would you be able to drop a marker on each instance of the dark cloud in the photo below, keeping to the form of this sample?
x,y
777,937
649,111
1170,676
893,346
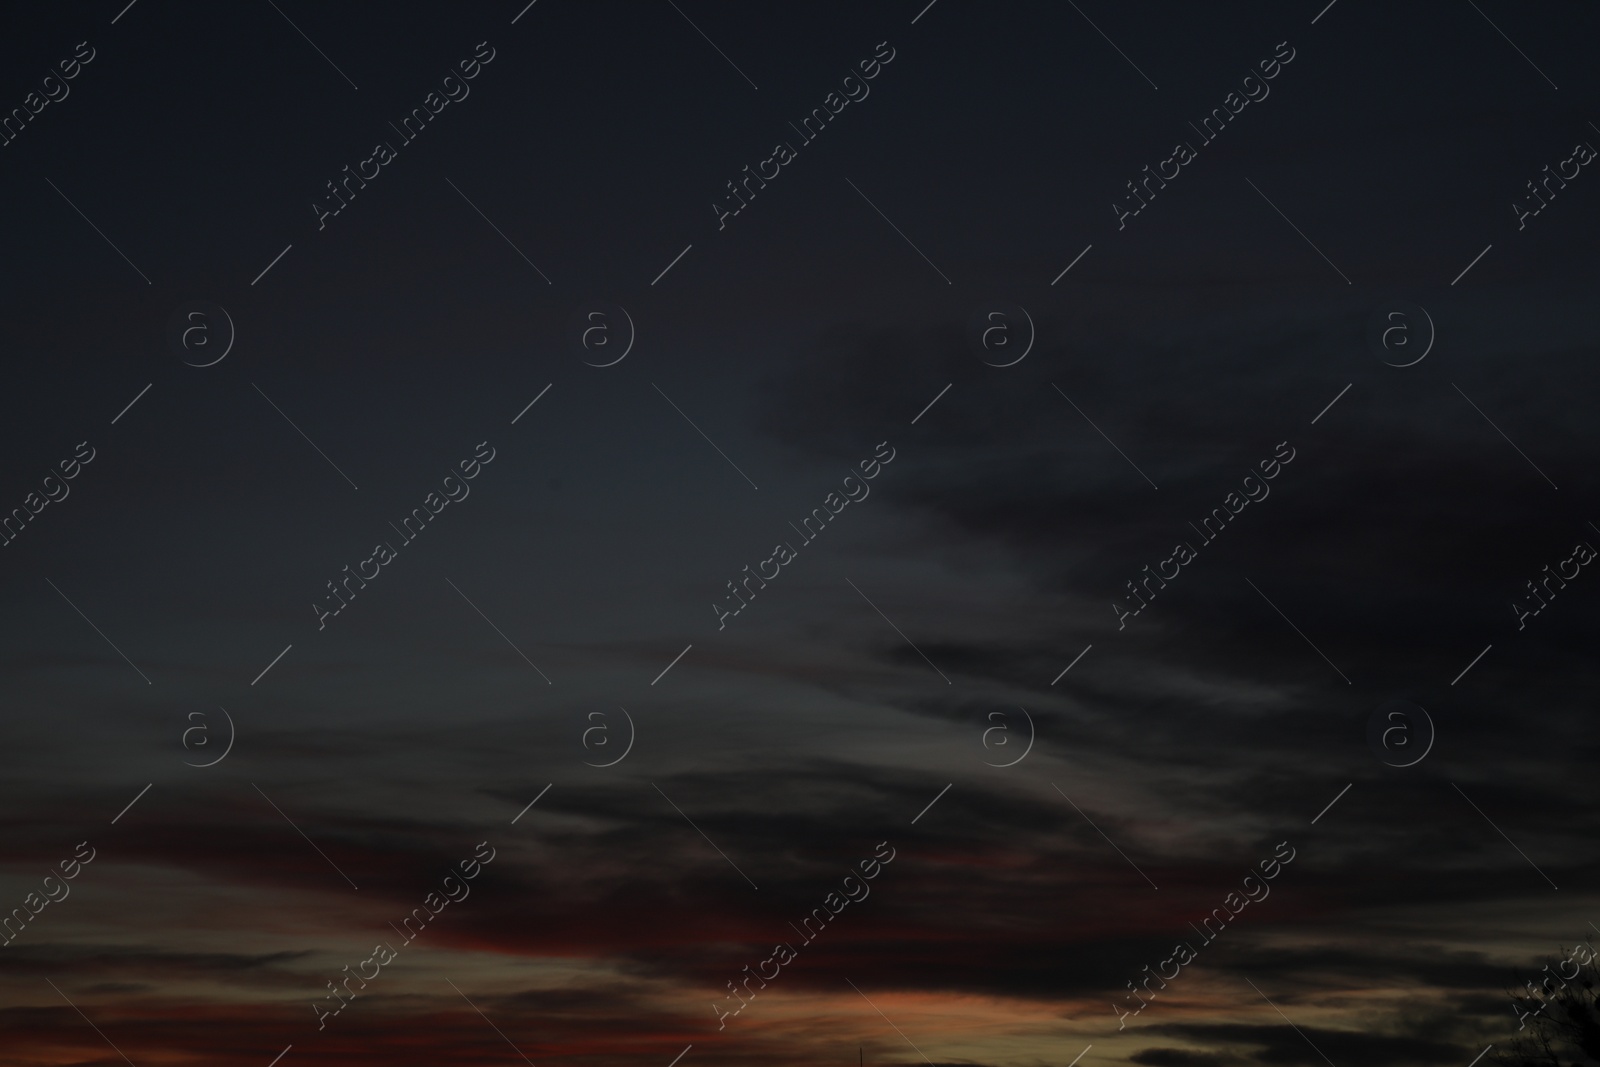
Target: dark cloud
x,y
993,552
1301,1044
1177,1057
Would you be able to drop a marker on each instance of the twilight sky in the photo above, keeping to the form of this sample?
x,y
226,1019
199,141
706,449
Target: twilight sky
x,y
540,679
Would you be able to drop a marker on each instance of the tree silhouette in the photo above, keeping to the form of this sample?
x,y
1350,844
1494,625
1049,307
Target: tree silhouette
x,y
1559,1015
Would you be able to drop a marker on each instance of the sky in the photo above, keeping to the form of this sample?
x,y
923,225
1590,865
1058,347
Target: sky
x,y
1169,546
